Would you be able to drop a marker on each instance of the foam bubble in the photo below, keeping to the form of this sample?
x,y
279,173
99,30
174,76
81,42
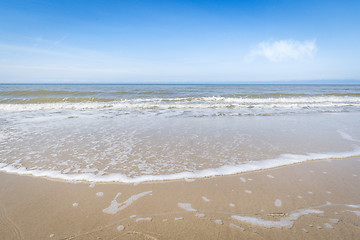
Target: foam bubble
x,y
120,228
144,219
248,191
328,225
236,226
99,194
205,199
201,215
116,207
75,204
278,203
218,221
187,207
286,222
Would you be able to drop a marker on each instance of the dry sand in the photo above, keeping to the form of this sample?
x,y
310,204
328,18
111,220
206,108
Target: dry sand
x,y
314,200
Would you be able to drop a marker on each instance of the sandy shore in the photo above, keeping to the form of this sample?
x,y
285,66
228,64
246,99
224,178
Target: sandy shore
x,y
314,200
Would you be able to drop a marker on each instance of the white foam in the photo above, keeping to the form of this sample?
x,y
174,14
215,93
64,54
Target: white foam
x,y
178,218
328,225
116,207
282,160
353,206
305,230
286,222
187,207
242,179
189,180
120,228
334,220
236,226
205,199
218,221
231,205
75,204
248,191
51,235
201,215
144,219
270,176
99,194
278,203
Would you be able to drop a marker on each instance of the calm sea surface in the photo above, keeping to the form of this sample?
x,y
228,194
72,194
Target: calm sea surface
x,y
131,133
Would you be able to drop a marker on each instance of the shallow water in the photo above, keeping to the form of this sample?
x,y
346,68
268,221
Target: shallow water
x,y
157,132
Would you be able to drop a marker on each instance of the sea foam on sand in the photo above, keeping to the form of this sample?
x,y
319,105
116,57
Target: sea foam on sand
x,y
282,160
283,222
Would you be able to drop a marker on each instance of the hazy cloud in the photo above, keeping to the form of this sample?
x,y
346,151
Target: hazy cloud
x,y
278,51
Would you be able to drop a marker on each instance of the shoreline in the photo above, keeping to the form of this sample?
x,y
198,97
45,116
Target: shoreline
x,y
226,170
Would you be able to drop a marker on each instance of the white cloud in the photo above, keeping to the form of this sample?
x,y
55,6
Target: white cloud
x,y
278,51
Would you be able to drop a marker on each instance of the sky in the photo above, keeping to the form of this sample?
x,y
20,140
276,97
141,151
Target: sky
x,y
131,41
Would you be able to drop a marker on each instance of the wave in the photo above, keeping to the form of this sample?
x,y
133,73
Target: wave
x,y
24,93
274,104
282,160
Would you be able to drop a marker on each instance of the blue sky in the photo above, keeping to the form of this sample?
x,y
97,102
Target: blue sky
x,y
134,41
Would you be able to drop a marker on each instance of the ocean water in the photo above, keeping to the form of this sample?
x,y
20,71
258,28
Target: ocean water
x,y
132,133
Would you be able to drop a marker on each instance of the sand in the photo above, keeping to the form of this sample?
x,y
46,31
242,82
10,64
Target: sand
x,y
313,200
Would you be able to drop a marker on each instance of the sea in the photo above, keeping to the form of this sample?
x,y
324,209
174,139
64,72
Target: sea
x,y
134,133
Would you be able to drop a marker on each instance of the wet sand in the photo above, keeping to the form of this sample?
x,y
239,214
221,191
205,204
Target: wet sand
x,y
313,200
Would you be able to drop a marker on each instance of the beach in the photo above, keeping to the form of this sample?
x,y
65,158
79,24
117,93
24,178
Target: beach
x,y
314,200
179,162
